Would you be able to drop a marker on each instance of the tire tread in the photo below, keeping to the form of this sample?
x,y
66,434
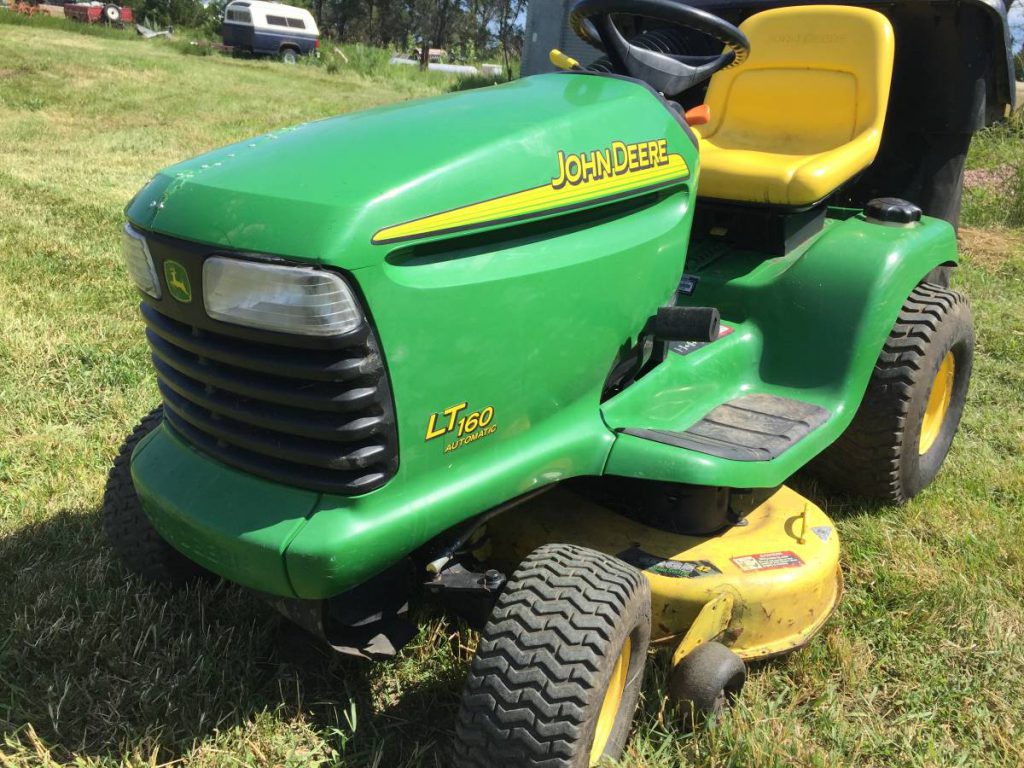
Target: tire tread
x,y
867,459
539,658
128,531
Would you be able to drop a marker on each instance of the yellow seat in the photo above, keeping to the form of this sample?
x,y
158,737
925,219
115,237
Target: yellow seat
x,y
804,113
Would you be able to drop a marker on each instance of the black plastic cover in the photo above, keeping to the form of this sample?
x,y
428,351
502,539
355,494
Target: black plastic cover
x,y
687,324
892,210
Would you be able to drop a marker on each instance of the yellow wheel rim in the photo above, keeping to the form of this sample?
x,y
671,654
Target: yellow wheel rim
x,y
611,704
938,404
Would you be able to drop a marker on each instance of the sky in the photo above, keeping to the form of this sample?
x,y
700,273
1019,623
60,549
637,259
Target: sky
x,y
1017,24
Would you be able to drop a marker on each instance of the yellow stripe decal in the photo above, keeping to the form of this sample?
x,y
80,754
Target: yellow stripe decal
x,y
591,177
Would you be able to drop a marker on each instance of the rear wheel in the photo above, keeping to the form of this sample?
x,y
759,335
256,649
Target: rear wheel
x,y
557,673
289,55
905,425
129,533
111,14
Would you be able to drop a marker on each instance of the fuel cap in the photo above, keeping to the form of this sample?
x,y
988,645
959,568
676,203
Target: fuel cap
x,y
893,211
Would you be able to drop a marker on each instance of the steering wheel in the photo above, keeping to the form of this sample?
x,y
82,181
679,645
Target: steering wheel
x,y
670,74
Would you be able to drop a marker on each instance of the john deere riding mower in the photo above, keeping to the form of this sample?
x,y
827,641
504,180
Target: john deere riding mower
x,y
546,353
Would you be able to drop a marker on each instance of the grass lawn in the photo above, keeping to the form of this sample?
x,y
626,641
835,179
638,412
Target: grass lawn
x,y
922,665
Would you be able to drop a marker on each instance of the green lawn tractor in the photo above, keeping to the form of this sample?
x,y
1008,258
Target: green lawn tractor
x,y
546,353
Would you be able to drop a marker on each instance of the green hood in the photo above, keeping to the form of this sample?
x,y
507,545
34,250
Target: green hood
x,y
321,191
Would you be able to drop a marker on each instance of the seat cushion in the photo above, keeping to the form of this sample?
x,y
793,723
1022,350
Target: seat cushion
x,y
777,178
804,113
787,111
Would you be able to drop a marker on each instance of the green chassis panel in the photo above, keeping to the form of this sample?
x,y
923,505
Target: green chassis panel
x,y
460,321
231,523
292,542
349,540
807,326
295,543
320,191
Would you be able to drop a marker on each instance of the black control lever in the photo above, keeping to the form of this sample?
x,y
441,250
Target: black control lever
x,y
685,324
668,325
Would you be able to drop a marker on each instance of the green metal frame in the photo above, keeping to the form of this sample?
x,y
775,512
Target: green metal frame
x,y
807,326
524,318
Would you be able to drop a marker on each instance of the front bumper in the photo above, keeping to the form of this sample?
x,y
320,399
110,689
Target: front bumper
x,y
234,524
293,542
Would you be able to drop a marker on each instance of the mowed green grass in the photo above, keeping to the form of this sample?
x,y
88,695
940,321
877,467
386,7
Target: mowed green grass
x,y
920,666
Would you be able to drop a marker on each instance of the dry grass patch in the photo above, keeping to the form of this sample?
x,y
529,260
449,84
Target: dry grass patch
x,y
991,248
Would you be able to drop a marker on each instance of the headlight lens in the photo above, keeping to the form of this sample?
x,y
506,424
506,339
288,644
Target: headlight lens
x,y
312,302
138,261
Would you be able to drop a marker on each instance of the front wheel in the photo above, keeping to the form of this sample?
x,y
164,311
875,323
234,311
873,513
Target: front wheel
x,y
706,681
557,673
905,425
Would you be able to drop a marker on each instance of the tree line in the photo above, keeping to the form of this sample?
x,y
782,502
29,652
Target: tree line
x,y
467,29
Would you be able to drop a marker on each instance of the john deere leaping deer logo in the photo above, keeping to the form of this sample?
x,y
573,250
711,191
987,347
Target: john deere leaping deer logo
x,y
177,281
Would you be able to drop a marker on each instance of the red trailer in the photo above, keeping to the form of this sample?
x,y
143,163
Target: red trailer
x,y
94,13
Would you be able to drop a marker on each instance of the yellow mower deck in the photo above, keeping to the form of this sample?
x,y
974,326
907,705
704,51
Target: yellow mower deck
x,y
762,588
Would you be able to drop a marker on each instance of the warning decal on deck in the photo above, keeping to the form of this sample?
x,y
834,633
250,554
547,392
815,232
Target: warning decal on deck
x,y
674,569
823,532
767,561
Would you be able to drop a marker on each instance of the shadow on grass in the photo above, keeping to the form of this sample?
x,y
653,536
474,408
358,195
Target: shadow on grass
x,y
836,505
100,664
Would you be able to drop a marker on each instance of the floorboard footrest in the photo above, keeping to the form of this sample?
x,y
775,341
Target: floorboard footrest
x,y
748,428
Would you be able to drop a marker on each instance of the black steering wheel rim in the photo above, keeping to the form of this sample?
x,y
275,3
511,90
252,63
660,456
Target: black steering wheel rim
x,y
592,21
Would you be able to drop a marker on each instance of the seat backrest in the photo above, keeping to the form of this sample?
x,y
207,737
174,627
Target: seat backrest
x,y
817,76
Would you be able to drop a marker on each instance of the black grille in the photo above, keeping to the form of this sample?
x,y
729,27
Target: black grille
x,y
317,418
